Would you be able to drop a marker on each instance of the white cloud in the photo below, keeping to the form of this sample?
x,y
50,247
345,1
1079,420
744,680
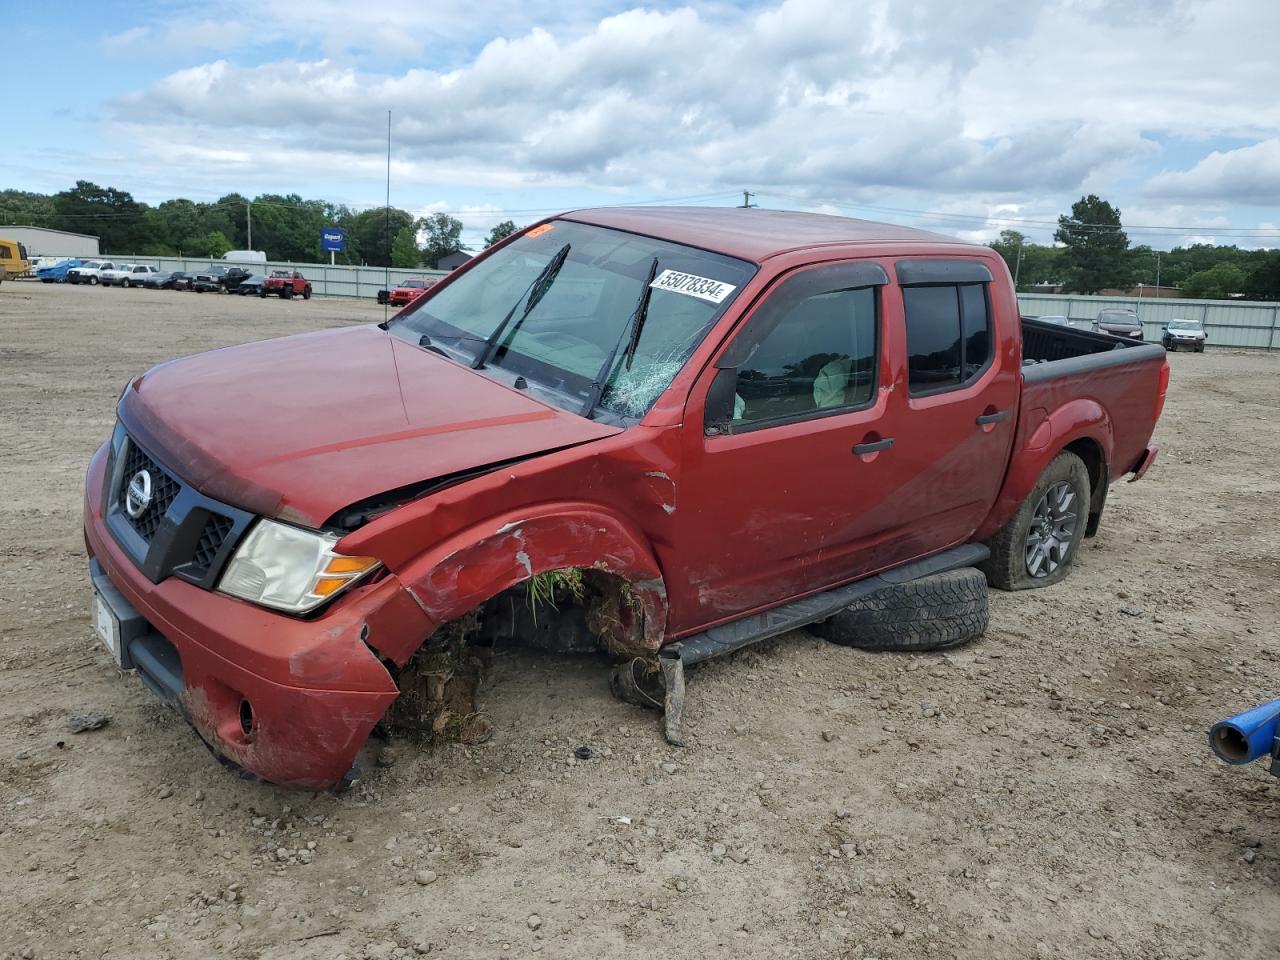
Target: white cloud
x,y
929,105
1246,175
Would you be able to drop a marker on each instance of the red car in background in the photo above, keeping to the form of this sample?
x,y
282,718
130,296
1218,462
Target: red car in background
x,y
286,283
410,290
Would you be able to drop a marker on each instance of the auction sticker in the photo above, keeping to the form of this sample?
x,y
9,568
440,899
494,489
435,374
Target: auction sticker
x,y
704,288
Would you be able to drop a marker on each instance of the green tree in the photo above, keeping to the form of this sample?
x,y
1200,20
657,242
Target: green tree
x,y
23,207
1030,263
1216,283
374,231
111,215
1095,245
500,232
444,236
1264,279
212,245
404,250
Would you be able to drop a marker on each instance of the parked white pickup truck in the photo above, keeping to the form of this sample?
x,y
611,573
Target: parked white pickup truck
x,y
126,275
89,272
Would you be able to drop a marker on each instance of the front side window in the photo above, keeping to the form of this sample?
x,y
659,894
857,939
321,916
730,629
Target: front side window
x,y
821,356
594,320
948,335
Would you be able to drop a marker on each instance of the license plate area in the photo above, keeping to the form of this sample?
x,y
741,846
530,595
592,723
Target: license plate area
x,y
115,620
107,625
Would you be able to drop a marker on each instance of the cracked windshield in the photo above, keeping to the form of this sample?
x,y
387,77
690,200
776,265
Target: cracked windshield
x,y
597,321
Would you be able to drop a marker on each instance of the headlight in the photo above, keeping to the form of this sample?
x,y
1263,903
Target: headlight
x,y
289,568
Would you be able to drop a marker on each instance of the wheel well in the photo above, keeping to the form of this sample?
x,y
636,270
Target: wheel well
x,y
571,610
1090,451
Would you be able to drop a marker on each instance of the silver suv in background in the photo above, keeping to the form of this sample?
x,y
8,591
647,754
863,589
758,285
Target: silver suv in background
x,y
1119,323
1180,333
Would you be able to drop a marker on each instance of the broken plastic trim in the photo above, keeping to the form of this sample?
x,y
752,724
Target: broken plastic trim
x,y
357,514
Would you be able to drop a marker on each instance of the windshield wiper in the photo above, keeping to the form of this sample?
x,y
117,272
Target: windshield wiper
x,y
631,334
541,284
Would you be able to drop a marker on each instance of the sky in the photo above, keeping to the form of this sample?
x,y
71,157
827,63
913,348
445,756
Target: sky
x,y
965,118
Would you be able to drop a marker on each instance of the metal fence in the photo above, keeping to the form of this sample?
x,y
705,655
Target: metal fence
x,y
1228,323
326,281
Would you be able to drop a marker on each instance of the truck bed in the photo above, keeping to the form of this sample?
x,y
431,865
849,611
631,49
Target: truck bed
x,y
1061,365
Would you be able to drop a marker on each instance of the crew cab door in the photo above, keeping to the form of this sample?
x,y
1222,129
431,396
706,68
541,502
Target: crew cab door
x,y
787,451
850,424
955,420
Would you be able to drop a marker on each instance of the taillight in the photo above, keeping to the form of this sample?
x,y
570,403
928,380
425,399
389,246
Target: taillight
x,y
1162,389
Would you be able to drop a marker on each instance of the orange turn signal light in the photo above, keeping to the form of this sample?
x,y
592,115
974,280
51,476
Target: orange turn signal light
x,y
348,566
327,586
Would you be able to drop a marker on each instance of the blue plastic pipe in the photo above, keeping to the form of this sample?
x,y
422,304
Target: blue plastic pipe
x,y
1246,736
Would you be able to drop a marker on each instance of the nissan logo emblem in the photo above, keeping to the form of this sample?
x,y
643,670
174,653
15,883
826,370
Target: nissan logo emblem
x,y
137,496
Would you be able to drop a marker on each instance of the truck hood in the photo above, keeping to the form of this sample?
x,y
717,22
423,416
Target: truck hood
x,y
300,427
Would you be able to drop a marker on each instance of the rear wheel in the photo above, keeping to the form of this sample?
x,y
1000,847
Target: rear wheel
x,y
1037,546
932,613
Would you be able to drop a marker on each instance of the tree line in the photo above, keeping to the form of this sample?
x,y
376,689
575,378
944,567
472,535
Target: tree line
x,y
285,226
1095,254
1091,253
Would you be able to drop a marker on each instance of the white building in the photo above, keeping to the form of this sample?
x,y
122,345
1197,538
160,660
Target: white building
x,y
43,242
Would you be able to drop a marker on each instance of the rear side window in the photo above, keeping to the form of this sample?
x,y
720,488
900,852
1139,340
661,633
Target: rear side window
x,y
821,356
948,335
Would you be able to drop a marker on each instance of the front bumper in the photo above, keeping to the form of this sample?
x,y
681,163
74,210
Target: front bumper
x,y
315,688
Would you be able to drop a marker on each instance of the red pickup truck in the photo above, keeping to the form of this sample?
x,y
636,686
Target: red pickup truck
x,y
691,428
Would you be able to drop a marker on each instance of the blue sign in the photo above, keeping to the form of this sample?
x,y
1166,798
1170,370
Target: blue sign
x,y
333,238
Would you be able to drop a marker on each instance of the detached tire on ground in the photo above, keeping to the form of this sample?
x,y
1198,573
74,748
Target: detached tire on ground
x,y
1036,547
932,613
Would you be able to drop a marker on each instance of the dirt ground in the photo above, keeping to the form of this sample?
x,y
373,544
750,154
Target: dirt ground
x,y
1045,792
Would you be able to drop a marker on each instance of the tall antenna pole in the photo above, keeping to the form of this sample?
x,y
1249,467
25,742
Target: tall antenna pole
x,y
386,282
248,219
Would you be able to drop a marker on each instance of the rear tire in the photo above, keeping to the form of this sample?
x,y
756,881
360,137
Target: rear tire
x,y
932,613
1038,544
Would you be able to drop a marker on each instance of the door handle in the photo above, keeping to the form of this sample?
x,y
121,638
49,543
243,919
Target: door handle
x,y
996,417
873,447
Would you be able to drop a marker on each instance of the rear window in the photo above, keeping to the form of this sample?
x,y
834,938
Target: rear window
x,y
948,335
1117,316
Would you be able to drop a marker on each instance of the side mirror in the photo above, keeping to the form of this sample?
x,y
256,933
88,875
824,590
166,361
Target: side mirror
x,y
719,407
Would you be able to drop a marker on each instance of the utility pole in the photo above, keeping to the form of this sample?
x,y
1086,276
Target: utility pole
x,y
746,199
248,219
1017,265
1157,273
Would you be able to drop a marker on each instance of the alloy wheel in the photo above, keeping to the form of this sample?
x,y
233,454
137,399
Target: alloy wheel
x,y
1052,531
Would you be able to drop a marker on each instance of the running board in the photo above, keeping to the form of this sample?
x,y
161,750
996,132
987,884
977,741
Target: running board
x,y
718,641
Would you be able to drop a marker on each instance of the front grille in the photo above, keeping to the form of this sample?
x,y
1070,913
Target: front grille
x,y
163,490
181,533
214,534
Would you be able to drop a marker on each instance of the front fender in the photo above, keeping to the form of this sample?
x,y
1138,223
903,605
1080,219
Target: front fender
x,y
1042,436
457,575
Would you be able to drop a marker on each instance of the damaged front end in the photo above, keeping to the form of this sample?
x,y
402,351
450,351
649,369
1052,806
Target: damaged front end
x,y
571,611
